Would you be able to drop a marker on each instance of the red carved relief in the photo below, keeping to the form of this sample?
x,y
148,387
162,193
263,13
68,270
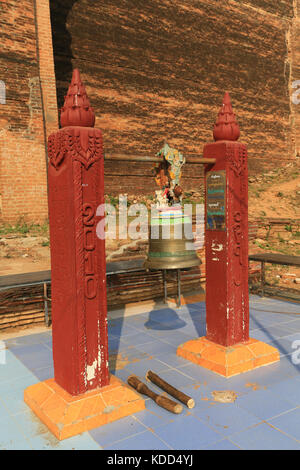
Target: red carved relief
x,y
237,232
56,148
90,281
85,147
82,145
237,159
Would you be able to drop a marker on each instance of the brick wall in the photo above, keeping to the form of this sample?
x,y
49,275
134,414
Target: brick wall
x,y
154,71
158,70
294,61
30,111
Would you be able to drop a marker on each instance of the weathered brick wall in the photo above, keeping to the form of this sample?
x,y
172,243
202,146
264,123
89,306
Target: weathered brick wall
x,y
158,70
28,73
294,53
155,71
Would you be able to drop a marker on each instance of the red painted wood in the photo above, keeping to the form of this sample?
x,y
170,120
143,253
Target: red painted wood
x,y
76,189
227,299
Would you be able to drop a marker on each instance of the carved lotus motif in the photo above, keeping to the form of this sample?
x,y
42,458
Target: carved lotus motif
x,y
56,148
85,147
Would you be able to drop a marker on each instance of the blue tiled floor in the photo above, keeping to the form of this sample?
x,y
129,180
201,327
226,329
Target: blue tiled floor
x,y
265,414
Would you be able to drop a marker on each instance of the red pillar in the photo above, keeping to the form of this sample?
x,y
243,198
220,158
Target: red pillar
x,y
78,279
226,233
227,348
82,395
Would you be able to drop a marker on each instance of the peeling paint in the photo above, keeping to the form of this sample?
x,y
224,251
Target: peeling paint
x,y
90,370
217,246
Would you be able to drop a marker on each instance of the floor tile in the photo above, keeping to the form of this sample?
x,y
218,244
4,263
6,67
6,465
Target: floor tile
x,y
81,442
17,383
264,404
287,344
138,339
12,368
27,340
119,329
289,389
288,423
116,431
227,418
14,401
153,418
268,393
140,368
172,360
271,333
294,324
34,356
44,373
225,444
264,437
11,436
177,338
157,348
144,441
176,378
187,433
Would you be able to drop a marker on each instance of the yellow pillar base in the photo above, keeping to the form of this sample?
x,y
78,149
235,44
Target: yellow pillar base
x,y
66,415
228,361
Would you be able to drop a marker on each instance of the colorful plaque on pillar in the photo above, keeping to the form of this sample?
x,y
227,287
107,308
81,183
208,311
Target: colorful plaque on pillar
x,y
215,200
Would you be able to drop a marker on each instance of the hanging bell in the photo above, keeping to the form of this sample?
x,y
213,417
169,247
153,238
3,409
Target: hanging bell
x,y
171,244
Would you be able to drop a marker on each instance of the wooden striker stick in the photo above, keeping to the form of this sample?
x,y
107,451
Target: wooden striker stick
x,y
154,378
164,402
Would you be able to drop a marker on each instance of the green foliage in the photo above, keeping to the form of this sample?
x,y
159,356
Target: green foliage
x,y
114,201
22,227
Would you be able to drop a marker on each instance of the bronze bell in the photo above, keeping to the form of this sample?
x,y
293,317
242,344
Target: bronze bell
x,y
171,244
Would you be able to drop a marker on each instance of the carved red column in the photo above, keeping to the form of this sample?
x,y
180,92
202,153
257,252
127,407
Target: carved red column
x,y
82,395
78,280
227,349
226,233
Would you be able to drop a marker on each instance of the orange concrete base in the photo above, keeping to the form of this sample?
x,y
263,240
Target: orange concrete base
x,y
66,415
228,361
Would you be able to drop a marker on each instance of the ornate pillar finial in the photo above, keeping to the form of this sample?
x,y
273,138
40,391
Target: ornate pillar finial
x,y
226,126
76,110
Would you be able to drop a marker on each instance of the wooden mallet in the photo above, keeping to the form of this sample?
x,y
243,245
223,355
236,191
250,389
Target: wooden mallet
x,y
160,400
154,378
